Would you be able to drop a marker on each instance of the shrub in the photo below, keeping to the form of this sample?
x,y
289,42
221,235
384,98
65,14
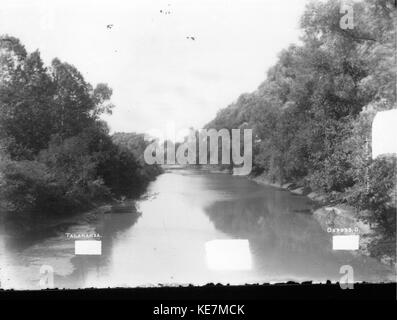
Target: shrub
x,y
28,187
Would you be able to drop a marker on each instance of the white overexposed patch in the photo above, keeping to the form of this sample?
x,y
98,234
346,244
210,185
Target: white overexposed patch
x,y
87,247
345,242
232,254
384,133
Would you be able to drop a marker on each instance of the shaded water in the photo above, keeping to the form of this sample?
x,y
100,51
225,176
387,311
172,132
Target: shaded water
x,y
160,239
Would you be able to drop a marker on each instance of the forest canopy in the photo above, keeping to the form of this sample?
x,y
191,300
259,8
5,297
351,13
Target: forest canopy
x,y
56,154
312,115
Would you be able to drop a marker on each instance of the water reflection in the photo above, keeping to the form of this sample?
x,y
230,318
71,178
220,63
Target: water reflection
x,y
287,243
161,239
109,224
23,253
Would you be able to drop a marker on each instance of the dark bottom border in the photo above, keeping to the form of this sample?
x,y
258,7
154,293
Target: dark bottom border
x,y
288,291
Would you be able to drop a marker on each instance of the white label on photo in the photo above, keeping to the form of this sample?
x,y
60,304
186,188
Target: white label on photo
x,y
345,242
384,133
88,247
231,254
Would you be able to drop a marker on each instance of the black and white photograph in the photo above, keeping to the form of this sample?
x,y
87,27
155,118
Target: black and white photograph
x,y
181,143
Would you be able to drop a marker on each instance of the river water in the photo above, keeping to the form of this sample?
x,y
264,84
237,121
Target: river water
x,y
161,239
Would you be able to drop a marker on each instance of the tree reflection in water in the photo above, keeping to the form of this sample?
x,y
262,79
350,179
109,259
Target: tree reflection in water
x,y
110,224
282,233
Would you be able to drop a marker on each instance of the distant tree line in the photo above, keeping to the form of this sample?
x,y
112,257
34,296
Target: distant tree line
x,y
312,115
56,155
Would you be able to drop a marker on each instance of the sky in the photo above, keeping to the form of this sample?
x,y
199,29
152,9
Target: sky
x,y
167,61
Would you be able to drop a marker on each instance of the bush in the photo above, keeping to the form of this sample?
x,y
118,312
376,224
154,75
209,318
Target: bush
x,y
376,192
61,178
121,172
28,187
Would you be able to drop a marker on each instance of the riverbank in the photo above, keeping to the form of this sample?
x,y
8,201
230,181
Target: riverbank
x,y
334,217
45,223
337,218
161,239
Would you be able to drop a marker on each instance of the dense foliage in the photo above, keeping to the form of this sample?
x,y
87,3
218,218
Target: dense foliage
x,y
56,155
312,116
